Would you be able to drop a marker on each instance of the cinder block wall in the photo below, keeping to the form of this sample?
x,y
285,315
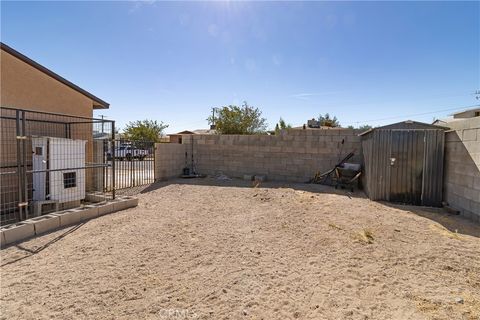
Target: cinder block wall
x,y
169,160
462,167
294,155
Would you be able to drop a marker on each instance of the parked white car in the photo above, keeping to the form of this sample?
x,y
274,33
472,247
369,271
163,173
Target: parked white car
x,y
129,153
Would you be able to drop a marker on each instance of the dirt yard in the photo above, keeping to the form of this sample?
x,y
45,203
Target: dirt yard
x,y
210,249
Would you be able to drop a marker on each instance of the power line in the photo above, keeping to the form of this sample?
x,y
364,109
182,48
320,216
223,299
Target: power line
x,y
417,114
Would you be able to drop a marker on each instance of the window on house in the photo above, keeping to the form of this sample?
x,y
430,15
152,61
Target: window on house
x,y
477,113
69,180
38,151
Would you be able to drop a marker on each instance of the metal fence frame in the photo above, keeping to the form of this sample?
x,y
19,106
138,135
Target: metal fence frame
x,y
20,129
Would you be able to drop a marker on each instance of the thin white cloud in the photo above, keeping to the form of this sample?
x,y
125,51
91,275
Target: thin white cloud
x,y
331,20
307,96
138,4
184,19
250,65
277,60
213,30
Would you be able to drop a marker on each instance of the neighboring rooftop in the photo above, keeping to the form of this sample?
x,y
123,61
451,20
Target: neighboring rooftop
x,y
198,131
470,113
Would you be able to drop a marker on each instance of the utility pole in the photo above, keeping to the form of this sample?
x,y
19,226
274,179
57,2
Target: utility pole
x,y
102,116
212,126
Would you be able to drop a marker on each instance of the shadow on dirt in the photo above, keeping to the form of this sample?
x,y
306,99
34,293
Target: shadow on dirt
x,y
238,183
451,222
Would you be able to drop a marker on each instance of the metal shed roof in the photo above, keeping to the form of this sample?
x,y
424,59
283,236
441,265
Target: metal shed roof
x,y
406,125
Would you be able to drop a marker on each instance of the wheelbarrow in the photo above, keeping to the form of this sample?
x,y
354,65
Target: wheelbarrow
x,y
347,176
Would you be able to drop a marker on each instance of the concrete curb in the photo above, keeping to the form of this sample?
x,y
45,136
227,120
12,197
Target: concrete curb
x,y
125,203
18,231
104,208
46,223
68,217
88,212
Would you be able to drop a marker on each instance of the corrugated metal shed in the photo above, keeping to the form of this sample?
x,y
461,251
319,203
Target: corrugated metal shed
x,y
403,162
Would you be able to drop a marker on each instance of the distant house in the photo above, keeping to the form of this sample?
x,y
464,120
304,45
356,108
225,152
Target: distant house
x,y
178,137
460,119
471,113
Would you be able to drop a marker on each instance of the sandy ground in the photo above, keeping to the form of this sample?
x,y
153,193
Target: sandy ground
x,y
230,251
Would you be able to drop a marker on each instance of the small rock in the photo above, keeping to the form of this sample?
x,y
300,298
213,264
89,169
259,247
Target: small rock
x,y
244,312
459,300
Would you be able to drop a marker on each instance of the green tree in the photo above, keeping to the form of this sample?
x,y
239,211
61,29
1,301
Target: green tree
x,y
327,121
282,125
147,130
239,120
365,127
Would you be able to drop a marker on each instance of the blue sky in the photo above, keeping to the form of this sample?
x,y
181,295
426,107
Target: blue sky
x,y
174,61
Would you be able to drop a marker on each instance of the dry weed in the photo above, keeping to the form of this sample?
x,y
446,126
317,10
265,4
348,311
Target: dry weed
x,y
365,236
445,232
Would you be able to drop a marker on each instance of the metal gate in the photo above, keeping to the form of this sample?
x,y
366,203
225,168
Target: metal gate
x,y
132,162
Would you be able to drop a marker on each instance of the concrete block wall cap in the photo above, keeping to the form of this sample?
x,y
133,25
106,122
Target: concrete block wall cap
x,y
125,203
104,208
89,212
18,231
2,239
69,217
45,223
95,198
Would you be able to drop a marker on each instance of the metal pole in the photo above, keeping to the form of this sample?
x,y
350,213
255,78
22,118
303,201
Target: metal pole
x,y
19,157
132,177
25,178
105,161
154,159
113,159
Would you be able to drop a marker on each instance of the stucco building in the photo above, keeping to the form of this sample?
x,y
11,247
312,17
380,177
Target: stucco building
x,y
37,102
25,84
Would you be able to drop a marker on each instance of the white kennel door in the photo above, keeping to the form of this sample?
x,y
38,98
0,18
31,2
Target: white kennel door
x,y
39,162
67,162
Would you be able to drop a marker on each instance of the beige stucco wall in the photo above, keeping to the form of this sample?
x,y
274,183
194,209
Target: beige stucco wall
x,y
24,87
